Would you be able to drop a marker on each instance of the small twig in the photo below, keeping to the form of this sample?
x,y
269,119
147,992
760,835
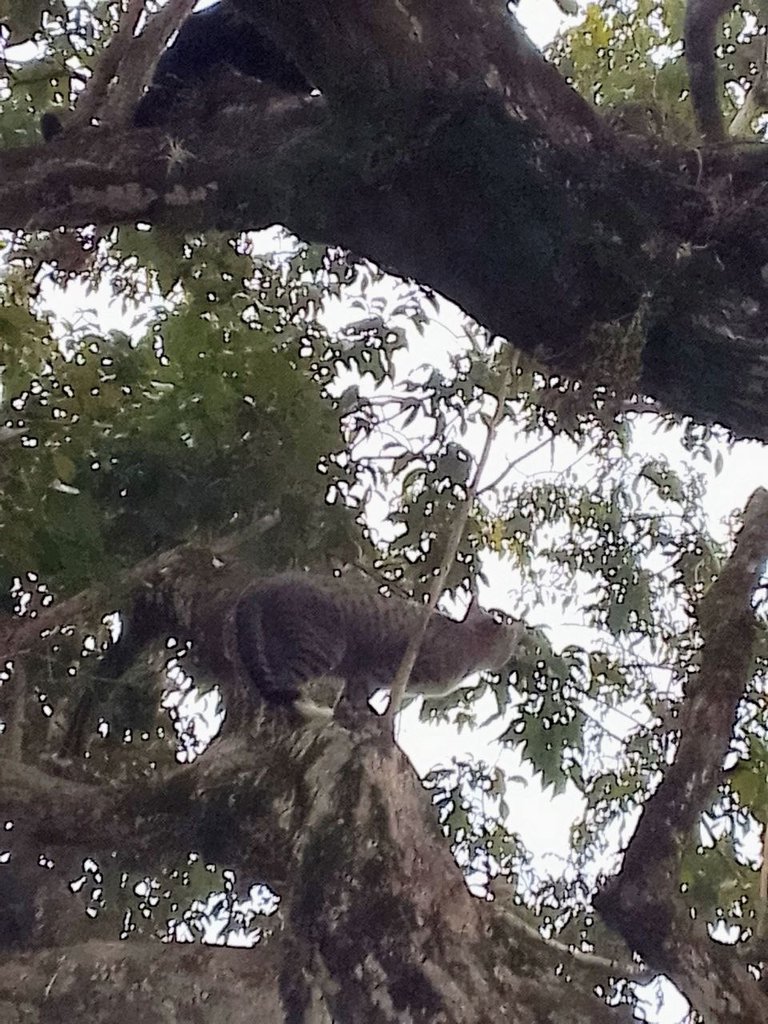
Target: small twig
x,y
245,537
403,674
516,462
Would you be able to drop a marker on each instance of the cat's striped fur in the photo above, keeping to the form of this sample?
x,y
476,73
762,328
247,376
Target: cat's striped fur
x,y
295,627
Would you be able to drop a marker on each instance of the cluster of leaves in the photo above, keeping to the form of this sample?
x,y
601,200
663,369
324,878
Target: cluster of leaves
x,y
628,56
618,540
120,446
52,45
207,415
471,802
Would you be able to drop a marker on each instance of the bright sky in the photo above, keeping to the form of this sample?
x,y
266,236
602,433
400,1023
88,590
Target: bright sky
x,y
541,19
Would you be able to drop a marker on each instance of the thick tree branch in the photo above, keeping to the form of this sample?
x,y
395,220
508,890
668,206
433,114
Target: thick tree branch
x,y
207,806
134,62
643,901
108,981
447,150
95,93
536,243
360,55
375,913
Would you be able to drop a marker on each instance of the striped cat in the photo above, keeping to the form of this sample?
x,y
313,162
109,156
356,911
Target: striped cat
x,y
295,627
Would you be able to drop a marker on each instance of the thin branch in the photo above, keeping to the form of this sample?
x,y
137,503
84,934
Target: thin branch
x,y
94,95
403,674
566,953
514,463
762,909
604,728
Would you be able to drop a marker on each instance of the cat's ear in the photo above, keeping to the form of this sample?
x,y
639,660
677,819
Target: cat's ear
x,y
474,612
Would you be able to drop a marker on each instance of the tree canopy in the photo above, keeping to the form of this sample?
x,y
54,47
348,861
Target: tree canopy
x,y
497,273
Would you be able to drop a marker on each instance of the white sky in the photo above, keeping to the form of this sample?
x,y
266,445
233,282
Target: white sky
x,y
542,19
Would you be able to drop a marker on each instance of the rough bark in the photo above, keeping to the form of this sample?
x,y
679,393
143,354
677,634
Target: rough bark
x,y
447,150
376,923
109,981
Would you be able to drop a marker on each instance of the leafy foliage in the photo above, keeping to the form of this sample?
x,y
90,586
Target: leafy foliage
x,y
629,57
59,41
123,446
303,382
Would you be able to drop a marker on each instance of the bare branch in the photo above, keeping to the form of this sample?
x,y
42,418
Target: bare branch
x,y
95,94
452,541
563,955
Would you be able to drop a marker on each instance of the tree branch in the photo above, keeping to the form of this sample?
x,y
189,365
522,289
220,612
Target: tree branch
x,y
96,92
103,981
452,541
643,902
547,227
375,913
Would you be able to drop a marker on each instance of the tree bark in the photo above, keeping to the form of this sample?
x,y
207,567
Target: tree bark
x,y
375,923
445,149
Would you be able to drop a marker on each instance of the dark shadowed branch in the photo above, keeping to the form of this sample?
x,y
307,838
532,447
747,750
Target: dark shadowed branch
x,y
467,163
